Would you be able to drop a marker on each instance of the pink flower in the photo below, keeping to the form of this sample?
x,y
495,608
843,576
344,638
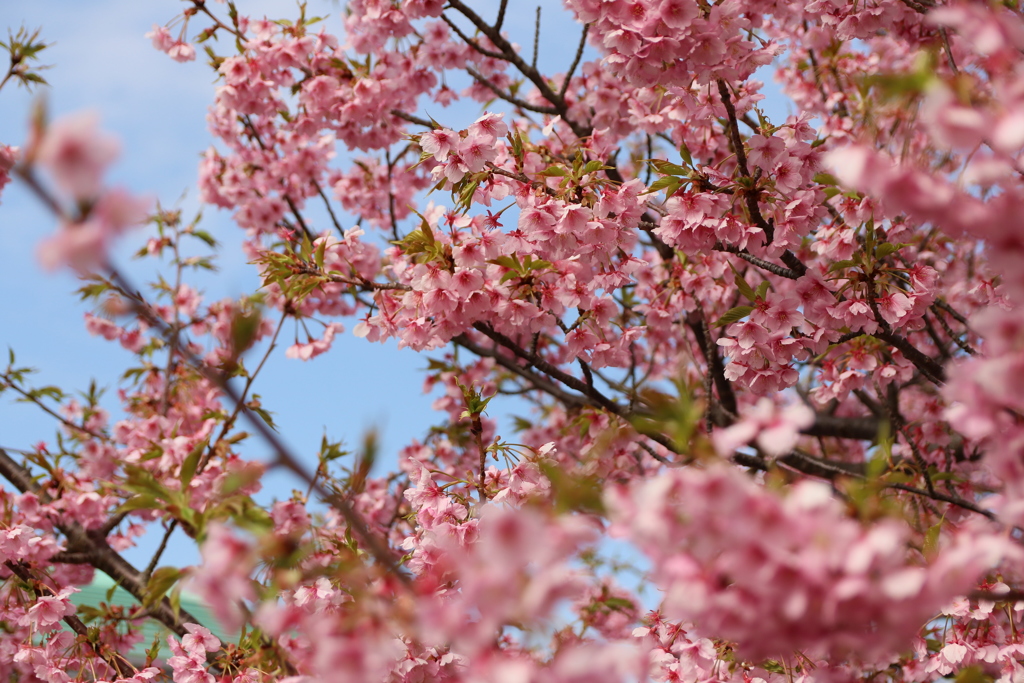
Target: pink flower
x,y
47,611
439,143
161,38
776,431
77,154
223,578
8,157
314,347
199,640
182,52
765,151
489,125
776,574
84,245
178,50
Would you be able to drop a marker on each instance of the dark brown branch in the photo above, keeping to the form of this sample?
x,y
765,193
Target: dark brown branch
x,y
827,469
949,331
928,366
539,382
472,43
536,39
330,211
5,381
155,560
509,97
952,311
398,113
774,268
709,349
945,498
552,371
734,129
751,194
284,194
1005,596
860,428
501,15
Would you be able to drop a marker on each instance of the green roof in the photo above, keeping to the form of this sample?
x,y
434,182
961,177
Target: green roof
x,y
99,591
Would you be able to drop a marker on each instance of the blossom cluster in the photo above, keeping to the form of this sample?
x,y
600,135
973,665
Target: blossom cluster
x,y
731,555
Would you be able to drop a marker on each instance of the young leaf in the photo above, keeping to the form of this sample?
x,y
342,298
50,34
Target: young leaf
x,y
734,315
160,581
745,289
191,462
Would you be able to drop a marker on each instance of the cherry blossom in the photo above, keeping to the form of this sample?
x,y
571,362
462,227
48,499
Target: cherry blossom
x,y
773,359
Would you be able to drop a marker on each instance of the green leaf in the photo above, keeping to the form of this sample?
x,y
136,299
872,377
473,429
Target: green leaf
x,y
684,152
539,264
191,462
318,255
554,171
427,232
762,290
89,614
973,674
593,167
92,291
668,168
154,651
175,600
245,325
745,289
516,141
160,581
139,502
573,492
931,539
510,262
734,315
475,402
255,407
670,184
841,265
886,248
141,480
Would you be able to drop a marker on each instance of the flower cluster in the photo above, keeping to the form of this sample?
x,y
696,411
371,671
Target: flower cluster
x,y
732,556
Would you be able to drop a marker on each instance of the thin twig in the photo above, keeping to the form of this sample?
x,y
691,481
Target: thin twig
x,y
330,211
398,113
928,366
501,15
575,62
536,38
509,97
